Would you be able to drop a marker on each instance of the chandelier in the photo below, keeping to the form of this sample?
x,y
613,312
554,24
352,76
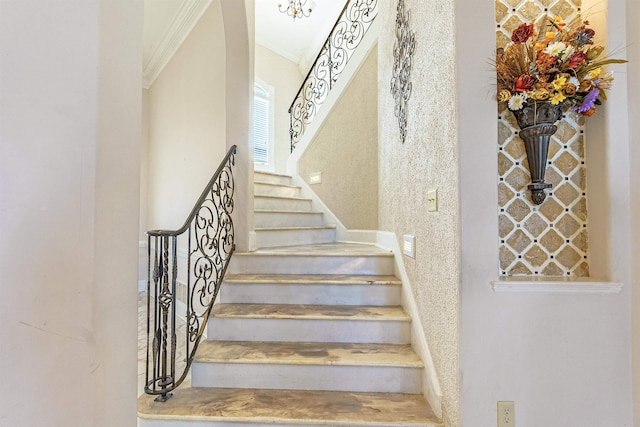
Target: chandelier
x,y
296,8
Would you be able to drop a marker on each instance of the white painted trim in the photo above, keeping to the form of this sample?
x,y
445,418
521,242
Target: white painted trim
x,y
142,285
253,241
552,285
430,383
188,16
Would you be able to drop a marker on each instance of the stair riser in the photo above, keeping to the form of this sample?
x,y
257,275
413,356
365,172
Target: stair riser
x,y
273,179
275,238
275,190
282,264
390,379
291,293
267,203
309,330
282,219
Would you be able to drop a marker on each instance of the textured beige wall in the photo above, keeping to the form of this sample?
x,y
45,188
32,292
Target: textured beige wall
x,y
187,123
286,79
345,150
427,160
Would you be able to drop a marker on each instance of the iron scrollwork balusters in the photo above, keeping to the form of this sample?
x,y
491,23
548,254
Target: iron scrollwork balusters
x,y
347,33
210,244
403,49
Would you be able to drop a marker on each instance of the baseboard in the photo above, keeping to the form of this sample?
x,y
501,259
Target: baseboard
x,y
430,384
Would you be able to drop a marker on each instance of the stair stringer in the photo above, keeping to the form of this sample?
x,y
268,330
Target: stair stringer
x,y
387,240
430,383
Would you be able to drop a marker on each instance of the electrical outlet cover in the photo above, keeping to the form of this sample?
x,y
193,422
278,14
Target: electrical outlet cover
x,y
506,414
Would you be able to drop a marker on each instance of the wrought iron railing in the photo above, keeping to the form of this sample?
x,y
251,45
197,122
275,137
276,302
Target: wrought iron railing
x,y
207,239
347,33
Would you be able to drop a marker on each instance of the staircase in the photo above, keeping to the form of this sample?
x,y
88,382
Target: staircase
x,y
304,335
283,216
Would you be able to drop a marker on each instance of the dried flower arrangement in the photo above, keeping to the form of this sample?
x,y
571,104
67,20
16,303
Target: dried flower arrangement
x,y
557,63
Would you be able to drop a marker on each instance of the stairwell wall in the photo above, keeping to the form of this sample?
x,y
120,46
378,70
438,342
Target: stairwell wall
x,y
187,137
345,151
427,160
285,77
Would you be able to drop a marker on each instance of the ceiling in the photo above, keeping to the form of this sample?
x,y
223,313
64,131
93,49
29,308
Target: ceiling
x,y
298,41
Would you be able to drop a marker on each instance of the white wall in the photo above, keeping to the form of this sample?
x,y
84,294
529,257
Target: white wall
x,y
144,192
564,360
69,183
187,138
633,74
286,79
239,24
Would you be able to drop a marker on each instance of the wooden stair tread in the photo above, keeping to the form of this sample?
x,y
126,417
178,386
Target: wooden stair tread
x,y
295,407
308,311
338,279
309,353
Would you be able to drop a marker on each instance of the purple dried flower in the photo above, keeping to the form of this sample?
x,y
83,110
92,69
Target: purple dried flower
x,y
589,101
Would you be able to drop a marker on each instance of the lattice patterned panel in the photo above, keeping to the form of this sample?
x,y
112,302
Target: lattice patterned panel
x,y
550,239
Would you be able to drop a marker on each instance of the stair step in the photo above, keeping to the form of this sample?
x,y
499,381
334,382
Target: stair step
x,y
274,178
281,203
273,189
330,289
225,407
317,323
330,258
271,218
308,366
286,236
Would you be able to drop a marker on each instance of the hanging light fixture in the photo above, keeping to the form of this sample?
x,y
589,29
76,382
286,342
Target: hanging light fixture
x,y
296,8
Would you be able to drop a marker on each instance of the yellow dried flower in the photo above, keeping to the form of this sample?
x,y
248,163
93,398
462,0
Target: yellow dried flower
x,y
594,73
541,95
557,98
559,82
504,95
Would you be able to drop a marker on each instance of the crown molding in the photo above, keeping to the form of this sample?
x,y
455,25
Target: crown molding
x,y
186,19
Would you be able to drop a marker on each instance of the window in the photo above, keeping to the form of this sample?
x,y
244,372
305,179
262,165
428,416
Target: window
x,y
262,126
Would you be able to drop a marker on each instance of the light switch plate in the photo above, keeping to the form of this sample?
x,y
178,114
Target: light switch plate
x,y
432,200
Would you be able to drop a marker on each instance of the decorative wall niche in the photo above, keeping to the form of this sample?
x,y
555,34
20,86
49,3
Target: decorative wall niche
x,y
550,239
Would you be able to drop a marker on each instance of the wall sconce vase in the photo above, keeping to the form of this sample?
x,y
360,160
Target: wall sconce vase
x,y
536,121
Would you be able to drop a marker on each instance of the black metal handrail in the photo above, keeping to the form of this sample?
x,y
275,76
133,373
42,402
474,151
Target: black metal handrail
x,y
209,235
345,36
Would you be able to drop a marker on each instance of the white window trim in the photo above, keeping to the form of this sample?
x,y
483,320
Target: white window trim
x,y
270,166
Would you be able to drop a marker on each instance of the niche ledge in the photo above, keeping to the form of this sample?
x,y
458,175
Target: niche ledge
x,y
555,285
